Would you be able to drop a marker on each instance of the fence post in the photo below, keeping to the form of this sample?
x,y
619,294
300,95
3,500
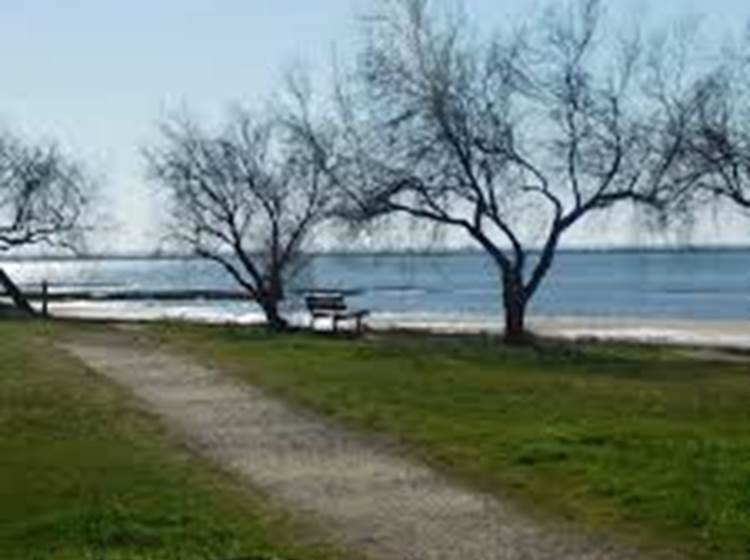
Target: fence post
x,y
45,296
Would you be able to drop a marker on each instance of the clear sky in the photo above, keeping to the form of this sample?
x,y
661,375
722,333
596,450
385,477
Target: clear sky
x,y
98,74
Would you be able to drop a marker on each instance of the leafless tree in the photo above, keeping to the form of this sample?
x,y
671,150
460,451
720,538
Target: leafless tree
x,y
513,139
715,161
43,195
248,197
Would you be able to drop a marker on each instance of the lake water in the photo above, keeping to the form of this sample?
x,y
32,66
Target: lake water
x,y
448,288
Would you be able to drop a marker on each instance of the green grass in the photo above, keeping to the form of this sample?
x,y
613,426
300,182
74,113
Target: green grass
x,y
85,474
648,443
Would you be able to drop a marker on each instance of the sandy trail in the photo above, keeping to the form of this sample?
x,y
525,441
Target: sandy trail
x,y
371,499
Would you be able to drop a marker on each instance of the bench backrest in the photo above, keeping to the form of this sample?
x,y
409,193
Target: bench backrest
x,y
325,302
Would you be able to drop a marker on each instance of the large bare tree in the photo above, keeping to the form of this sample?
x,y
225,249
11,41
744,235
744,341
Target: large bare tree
x,y
43,195
249,196
512,139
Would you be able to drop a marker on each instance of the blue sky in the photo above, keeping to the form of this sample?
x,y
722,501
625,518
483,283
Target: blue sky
x,y
98,74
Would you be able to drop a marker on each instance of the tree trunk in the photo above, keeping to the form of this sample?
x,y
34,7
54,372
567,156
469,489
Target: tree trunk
x,y
514,302
272,295
274,320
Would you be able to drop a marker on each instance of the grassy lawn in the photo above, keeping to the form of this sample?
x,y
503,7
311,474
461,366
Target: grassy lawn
x,y
647,442
84,474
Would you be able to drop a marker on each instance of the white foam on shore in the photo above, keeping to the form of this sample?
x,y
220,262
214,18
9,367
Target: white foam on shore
x,y
242,313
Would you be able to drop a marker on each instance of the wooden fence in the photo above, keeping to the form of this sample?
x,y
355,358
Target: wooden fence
x,y
44,293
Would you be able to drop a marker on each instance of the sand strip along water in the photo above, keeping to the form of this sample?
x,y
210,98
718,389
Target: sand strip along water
x,y
716,333
370,498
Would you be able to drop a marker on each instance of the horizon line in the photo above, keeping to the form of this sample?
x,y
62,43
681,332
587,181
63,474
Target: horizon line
x,y
181,255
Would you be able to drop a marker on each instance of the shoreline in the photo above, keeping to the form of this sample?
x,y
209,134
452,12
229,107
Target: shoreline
x,y
713,333
728,334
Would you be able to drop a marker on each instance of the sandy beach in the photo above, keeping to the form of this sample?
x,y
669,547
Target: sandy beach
x,y
693,332
720,334
724,334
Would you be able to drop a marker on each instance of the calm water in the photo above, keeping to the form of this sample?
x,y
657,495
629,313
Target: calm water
x,y
688,285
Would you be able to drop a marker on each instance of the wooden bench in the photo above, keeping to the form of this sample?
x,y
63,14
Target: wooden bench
x,y
332,305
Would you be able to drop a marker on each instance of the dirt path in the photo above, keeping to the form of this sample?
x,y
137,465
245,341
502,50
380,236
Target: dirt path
x,y
371,499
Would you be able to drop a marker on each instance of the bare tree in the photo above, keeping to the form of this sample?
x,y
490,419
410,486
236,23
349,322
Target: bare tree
x,y
43,195
715,162
512,140
248,197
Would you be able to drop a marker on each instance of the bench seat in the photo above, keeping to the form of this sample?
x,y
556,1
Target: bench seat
x,y
333,306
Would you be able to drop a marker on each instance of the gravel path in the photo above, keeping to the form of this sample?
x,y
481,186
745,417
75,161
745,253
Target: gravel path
x,y
371,499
